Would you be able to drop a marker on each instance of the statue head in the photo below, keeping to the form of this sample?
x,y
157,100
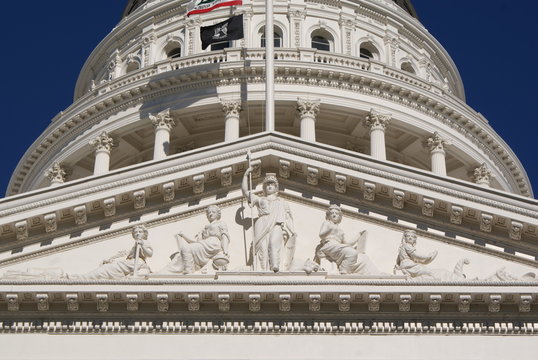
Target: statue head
x,y
334,214
270,179
213,212
410,237
139,230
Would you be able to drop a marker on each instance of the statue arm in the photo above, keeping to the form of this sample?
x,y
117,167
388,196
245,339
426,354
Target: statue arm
x,y
326,229
224,238
186,237
146,249
420,257
244,187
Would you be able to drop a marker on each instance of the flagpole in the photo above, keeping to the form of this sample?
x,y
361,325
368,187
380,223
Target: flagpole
x,y
269,68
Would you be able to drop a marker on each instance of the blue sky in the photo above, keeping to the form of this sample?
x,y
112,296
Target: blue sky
x,y
494,44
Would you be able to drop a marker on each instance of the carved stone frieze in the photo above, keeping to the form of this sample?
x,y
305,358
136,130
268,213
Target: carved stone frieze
x,y
102,302
427,207
486,221
109,206
374,301
344,302
456,214
398,199
284,302
224,302
163,120
12,302
435,303
516,228
340,183
51,223
314,302
80,215
132,302
169,192
42,302
193,301
163,303
464,303
198,182
139,198
103,142
376,120
72,302
369,191
404,303
21,229
312,176
494,303
284,168
525,302
254,302
226,176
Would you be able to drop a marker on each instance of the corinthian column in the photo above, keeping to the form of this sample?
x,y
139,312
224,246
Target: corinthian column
x,y
231,109
56,174
482,175
103,144
163,124
436,144
308,109
377,123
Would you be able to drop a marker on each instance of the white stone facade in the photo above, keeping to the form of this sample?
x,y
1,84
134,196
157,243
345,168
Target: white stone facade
x,y
384,204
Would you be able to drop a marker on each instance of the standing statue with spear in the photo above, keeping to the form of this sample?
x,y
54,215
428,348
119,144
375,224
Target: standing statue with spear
x,y
274,237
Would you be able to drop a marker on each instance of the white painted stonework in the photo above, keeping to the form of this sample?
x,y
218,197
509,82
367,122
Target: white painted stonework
x,y
381,205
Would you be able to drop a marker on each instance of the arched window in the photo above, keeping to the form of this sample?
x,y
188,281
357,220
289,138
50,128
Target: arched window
x,y
172,50
277,37
406,66
321,43
132,66
368,51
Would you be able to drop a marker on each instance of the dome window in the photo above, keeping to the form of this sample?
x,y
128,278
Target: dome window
x,y
132,66
368,51
277,37
406,66
321,43
174,53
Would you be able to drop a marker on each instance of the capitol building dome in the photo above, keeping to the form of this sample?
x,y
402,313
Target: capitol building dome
x,y
338,59
217,190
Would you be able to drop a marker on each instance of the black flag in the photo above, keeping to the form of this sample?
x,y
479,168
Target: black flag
x,y
231,29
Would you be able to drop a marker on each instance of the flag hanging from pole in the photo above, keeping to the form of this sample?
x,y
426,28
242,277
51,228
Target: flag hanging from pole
x,y
203,6
231,29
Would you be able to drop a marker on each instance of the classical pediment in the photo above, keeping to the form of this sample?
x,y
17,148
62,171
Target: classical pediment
x,y
69,257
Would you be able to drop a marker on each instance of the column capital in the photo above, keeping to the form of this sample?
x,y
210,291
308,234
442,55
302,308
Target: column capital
x,y
482,175
231,107
162,120
436,143
56,174
376,120
307,107
103,142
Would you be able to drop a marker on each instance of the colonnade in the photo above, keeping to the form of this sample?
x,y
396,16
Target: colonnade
x,y
307,111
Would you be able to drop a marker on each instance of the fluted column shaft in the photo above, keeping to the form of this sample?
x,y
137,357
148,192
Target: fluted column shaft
x,y
308,110
103,145
231,109
163,124
377,123
436,145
